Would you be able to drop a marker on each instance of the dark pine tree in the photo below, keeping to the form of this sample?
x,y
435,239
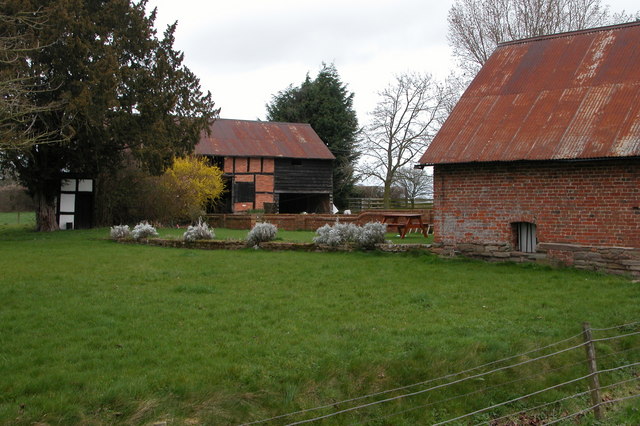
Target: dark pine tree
x,y
327,105
123,92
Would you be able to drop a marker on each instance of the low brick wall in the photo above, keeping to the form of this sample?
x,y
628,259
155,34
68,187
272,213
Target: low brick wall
x,y
303,222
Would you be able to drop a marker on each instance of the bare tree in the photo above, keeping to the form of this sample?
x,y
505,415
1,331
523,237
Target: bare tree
x,y
477,26
406,118
414,183
18,111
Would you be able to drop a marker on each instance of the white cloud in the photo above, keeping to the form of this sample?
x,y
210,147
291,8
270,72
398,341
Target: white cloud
x,y
245,51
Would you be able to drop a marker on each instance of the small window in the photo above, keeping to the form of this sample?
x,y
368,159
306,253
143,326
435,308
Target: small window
x,y
526,239
296,162
245,192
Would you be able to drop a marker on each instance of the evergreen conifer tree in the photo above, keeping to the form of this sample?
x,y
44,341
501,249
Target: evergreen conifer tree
x,y
327,105
123,92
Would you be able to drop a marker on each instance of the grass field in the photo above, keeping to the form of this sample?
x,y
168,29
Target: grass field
x,y
23,218
95,332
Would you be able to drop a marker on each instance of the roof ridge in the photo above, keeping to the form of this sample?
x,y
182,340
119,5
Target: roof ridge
x,y
570,33
261,121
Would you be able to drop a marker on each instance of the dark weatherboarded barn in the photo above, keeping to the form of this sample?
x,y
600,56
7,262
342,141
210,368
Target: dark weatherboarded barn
x,y
279,167
541,156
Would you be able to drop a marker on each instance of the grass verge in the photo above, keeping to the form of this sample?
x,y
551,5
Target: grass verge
x,y
98,333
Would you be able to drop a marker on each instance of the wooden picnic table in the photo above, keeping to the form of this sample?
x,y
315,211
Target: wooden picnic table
x,y
405,222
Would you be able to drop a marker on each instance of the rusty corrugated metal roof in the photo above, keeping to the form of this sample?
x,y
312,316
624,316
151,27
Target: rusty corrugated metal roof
x,y
566,96
242,138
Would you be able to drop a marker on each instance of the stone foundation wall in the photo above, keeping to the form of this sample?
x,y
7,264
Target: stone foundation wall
x,y
614,260
270,246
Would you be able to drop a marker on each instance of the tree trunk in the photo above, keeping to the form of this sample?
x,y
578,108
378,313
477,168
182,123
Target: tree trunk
x,y
386,196
45,212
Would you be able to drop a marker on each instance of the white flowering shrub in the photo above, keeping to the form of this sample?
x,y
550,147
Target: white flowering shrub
x,y
261,232
372,233
143,230
199,231
326,235
120,231
337,235
348,233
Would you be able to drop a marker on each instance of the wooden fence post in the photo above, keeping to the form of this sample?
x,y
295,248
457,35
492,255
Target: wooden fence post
x,y
594,381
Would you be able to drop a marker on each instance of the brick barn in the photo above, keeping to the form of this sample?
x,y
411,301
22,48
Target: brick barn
x,y
276,167
540,158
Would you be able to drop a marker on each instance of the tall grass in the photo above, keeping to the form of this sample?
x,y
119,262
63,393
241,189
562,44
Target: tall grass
x,y
97,332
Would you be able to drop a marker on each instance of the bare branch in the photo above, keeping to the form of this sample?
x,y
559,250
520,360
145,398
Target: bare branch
x,y
402,125
20,115
477,26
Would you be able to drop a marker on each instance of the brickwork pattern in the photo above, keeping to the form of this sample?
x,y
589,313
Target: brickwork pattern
x,y
594,203
587,214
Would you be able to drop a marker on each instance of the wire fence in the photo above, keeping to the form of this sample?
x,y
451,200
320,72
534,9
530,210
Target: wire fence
x,y
583,375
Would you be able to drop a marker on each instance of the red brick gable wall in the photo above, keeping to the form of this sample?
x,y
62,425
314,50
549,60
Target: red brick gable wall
x,y
592,203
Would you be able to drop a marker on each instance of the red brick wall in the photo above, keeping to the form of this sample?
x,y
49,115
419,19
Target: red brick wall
x,y
264,183
257,170
594,203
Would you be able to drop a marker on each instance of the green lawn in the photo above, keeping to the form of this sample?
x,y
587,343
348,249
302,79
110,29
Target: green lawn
x,y
95,332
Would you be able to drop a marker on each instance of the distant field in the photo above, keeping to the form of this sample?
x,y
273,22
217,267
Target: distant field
x,y
17,218
95,332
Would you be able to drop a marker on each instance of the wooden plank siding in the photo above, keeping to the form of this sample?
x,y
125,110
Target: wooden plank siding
x,y
303,176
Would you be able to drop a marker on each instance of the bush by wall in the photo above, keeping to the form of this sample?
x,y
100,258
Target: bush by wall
x,y
261,233
340,234
199,231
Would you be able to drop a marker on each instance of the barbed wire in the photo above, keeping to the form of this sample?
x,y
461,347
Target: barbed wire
x,y
482,410
448,376
438,386
586,410
621,336
536,393
558,400
477,391
631,324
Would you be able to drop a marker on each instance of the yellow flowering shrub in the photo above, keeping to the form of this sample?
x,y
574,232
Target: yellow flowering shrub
x,y
191,184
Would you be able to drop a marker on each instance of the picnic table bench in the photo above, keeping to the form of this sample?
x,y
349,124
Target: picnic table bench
x,y
405,222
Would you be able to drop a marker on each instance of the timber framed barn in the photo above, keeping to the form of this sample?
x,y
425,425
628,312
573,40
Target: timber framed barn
x,y
275,167
540,158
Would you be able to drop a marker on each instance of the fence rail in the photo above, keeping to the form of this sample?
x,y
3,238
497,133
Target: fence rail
x,y
359,204
620,377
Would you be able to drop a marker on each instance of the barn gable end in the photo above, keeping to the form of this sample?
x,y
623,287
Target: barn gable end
x,y
276,167
540,159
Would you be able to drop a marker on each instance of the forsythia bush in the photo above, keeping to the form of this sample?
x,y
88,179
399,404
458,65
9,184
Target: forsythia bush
x,y
191,183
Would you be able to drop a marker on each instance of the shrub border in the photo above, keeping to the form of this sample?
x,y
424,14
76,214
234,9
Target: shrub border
x,y
270,246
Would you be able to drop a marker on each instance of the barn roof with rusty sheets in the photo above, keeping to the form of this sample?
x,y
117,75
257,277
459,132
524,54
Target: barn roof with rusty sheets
x,y
242,138
560,97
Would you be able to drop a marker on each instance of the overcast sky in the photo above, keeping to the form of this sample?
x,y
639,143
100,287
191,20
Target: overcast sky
x,y
245,51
